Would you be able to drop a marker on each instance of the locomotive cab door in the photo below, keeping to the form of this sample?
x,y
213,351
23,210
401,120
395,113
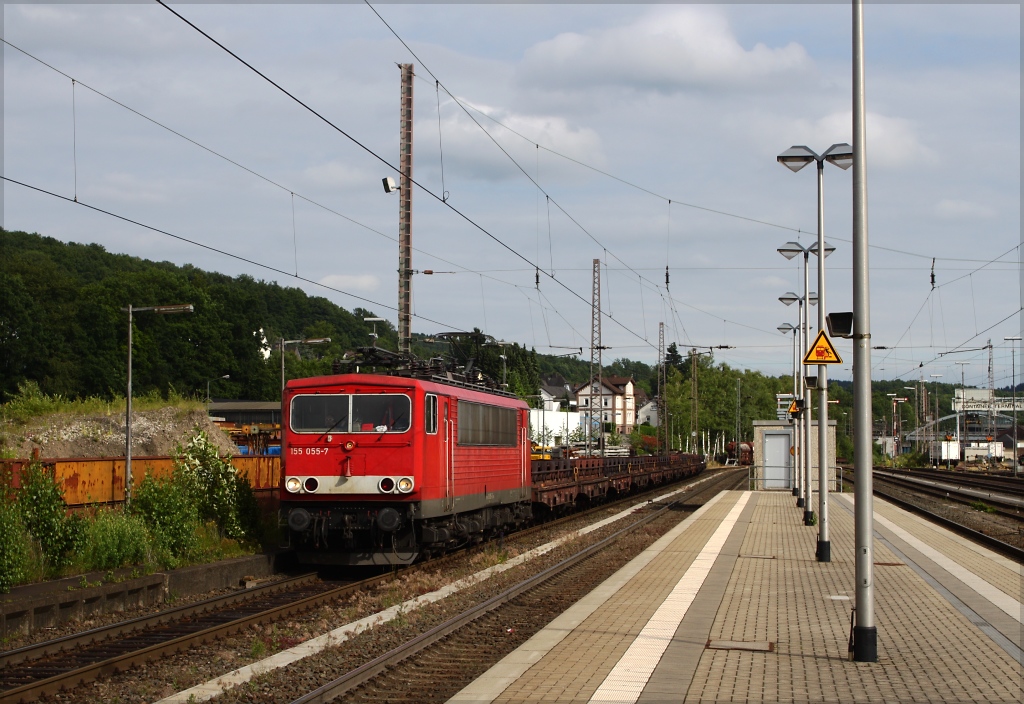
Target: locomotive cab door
x,y
448,448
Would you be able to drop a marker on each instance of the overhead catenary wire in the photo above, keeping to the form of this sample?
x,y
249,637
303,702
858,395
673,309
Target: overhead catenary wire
x,y
443,198
383,161
706,209
668,235
210,248
293,194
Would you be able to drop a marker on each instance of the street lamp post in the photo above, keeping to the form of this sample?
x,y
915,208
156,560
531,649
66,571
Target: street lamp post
x,y
961,442
865,632
935,424
784,328
308,341
213,378
796,158
789,250
162,310
803,461
917,423
567,402
1014,339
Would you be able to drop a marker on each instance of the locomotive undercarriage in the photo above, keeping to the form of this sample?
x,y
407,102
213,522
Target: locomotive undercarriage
x,y
390,534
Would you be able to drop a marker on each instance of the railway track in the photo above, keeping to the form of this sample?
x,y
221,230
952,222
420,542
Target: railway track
x,y
45,668
434,665
982,535
64,663
987,486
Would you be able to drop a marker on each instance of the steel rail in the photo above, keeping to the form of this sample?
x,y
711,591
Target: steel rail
x,y
1007,485
33,690
371,669
77,640
1005,549
1004,507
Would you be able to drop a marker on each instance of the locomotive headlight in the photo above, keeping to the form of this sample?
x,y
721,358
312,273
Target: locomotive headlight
x,y
292,484
386,485
405,485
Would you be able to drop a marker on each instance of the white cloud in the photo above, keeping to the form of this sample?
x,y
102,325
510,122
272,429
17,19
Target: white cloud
x,y
470,152
335,175
772,283
351,282
126,188
893,142
666,49
952,209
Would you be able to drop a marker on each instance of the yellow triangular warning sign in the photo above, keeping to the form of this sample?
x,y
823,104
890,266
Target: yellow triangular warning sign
x,y
822,351
793,408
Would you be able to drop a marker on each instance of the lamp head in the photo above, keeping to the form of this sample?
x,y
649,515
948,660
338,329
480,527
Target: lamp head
x,y
828,249
789,298
791,249
785,327
796,158
840,154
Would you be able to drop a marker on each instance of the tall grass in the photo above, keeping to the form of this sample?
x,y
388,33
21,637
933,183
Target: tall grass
x,y
31,403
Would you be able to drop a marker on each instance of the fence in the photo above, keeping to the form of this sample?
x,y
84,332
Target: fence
x,y
756,480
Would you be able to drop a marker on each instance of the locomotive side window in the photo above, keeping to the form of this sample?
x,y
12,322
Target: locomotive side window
x,y
430,415
486,425
347,413
322,413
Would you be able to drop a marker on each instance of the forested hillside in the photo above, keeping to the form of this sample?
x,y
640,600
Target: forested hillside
x,y
63,327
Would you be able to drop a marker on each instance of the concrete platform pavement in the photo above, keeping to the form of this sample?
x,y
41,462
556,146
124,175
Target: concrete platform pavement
x,y
732,606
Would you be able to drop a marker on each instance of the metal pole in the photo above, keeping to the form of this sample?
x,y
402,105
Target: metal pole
x,y
796,421
808,511
962,440
1013,365
824,549
799,371
128,420
865,634
282,368
405,214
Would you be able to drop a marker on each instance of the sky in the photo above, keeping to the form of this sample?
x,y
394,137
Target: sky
x,y
545,136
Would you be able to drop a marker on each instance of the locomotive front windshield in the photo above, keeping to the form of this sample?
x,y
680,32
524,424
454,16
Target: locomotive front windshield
x,y
350,413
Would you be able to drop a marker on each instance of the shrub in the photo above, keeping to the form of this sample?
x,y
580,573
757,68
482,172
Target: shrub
x,y
13,542
213,484
168,509
115,539
45,515
29,402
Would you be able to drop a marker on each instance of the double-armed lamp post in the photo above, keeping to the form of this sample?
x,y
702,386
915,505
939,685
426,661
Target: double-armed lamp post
x,y
162,310
282,343
796,158
797,380
803,390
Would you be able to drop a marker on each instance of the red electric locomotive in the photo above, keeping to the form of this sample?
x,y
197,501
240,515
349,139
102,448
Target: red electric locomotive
x,y
380,469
